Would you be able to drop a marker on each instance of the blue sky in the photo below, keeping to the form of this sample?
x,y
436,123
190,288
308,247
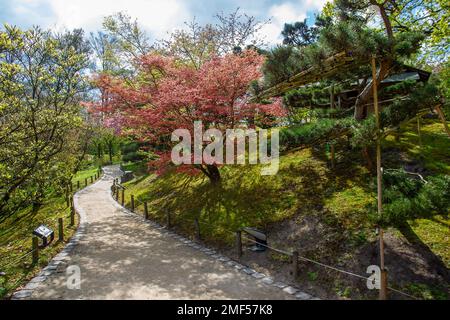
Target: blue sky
x,y
158,17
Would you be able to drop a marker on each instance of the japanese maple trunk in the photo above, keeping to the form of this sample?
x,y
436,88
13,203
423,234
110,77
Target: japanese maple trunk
x,y
213,174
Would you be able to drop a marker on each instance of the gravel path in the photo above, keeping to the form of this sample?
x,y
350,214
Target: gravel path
x,y
122,257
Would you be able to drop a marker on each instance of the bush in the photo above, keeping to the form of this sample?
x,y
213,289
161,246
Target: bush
x,y
406,197
134,156
131,152
323,129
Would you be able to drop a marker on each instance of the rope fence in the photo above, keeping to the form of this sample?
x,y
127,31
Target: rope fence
x,y
56,224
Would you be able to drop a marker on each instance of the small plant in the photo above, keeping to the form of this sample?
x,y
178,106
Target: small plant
x,y
312,276
345,293
426,292
358,238
279,257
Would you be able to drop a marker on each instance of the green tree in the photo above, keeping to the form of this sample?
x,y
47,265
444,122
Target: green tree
x,y
298,34
196,44
42,82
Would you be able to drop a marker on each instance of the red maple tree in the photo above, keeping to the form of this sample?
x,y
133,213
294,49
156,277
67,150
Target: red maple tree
x,y
166,95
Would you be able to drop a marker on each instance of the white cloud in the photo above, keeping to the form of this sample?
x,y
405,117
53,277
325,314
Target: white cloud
x,y
288,12
158,17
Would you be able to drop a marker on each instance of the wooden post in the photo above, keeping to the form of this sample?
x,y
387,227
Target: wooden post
x,y
197,229
169,223
60,229
397,134
145,211
78,185
419,133
132,203
67,199
123,197
295,264
333,156
35,248
332,105
332,96
85,182
383,285
72,216
71,187
239,244
442,117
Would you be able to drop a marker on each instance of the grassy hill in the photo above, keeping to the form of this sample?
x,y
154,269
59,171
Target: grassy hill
x,y
319,211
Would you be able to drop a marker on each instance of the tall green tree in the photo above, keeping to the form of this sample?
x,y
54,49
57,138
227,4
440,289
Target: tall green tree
x,y
231,33
41,84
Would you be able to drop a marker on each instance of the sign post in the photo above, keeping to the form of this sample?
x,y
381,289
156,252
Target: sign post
x,y
45,233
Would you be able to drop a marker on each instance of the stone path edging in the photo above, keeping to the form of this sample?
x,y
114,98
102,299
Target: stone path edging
x,y
60,260
259,277
62,256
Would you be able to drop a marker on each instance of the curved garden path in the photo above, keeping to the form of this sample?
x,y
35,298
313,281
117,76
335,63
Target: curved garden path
x,y
123,257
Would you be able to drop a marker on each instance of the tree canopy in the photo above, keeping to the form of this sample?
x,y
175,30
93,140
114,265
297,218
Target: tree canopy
x,y
41,135
166,96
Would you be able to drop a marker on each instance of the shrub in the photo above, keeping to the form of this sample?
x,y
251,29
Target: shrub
x,y
406,197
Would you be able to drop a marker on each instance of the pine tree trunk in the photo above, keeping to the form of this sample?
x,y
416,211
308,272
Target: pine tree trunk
x,y
365,95
366,155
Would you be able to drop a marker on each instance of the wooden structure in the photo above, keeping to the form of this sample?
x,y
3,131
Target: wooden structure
x,y
328,68
345,99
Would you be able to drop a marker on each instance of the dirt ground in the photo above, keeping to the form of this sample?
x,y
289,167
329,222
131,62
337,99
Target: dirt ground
x,y
408,263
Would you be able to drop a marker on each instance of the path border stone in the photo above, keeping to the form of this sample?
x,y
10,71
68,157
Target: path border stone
x,y
212,253
64,255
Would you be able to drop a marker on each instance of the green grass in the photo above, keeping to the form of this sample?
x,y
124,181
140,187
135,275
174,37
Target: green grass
x,y
138,168
15,242
16,237
350,205
224,206
434,152
436,234
246,198
425,292
85,174
304,186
